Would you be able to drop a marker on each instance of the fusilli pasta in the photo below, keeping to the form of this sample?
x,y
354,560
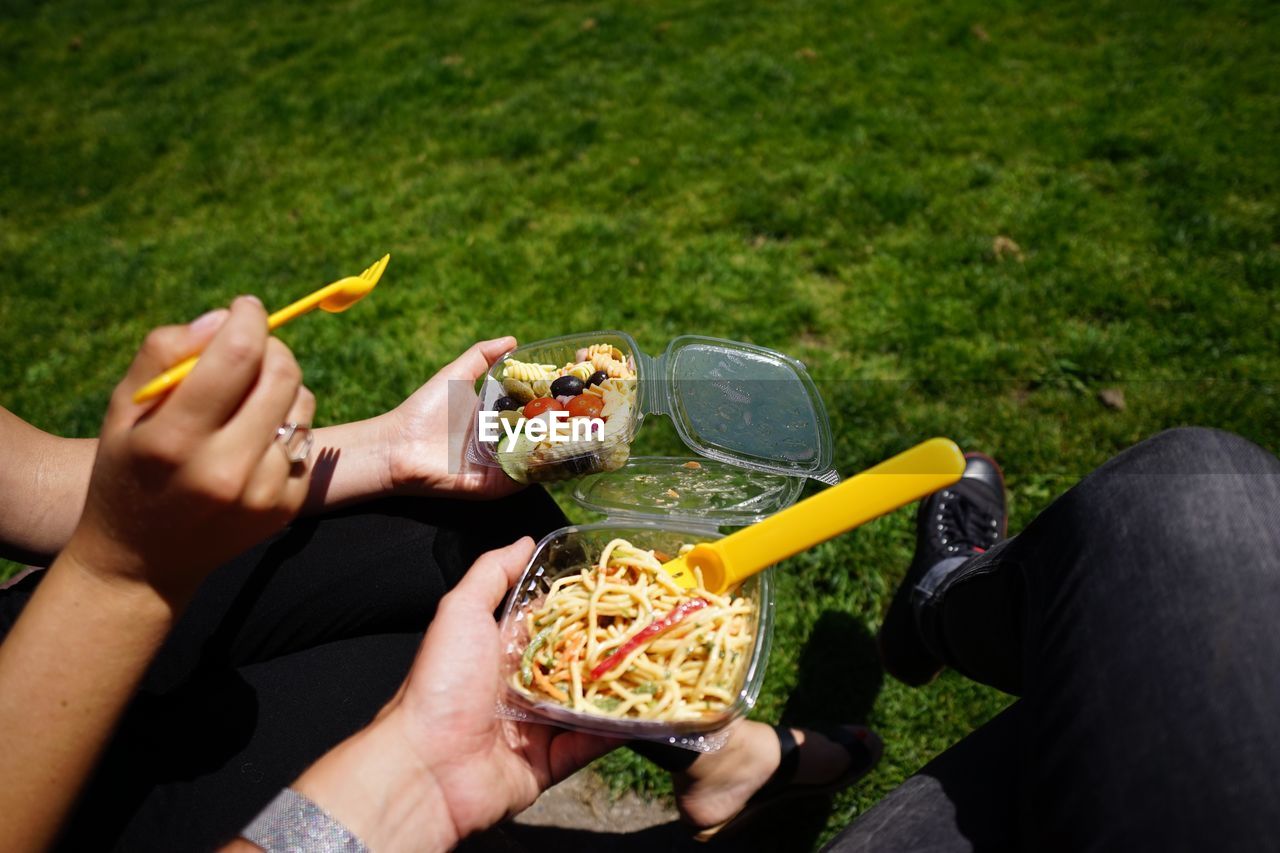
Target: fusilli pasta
x,y
527,371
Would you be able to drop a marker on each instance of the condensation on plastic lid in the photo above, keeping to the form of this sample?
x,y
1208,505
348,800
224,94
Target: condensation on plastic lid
x,y
706,742
701,491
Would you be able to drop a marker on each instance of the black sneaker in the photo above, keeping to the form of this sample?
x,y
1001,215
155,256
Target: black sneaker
x,y
961,521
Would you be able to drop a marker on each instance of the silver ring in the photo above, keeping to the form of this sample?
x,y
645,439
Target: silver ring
x,y
296,440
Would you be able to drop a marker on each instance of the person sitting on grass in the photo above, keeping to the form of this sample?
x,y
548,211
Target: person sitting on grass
x,y
1134,618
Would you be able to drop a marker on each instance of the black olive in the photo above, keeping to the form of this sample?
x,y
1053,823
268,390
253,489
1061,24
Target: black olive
x,y
506,404
596,378
567,386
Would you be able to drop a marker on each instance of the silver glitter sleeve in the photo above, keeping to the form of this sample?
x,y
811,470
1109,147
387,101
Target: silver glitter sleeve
x,y
293,824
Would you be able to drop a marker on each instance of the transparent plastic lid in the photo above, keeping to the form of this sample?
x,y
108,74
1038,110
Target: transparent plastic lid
x,y
730,401
745,405
702,491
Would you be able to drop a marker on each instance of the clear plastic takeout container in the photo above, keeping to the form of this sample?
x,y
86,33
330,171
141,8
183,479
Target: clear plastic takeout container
x,y
656,503
747,405
566,551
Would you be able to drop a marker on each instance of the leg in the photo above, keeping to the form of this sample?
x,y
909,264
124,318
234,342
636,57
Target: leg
x,y
761,767
189,769
960,801
379,567
284,652
1136,616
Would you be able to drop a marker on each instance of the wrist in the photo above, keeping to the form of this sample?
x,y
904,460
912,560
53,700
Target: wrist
x,y
380,790
117,578
396,460
352,462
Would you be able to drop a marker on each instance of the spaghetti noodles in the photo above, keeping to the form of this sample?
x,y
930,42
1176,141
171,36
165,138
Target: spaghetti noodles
x,y
621,639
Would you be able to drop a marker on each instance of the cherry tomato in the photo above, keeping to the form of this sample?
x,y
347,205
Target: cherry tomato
x,y
535,407
586,406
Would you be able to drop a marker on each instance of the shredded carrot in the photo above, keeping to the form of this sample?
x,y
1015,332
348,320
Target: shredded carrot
x,y
545,683
569,655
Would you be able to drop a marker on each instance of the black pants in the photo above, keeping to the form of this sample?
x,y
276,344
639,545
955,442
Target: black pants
x,y
1138,618
283,653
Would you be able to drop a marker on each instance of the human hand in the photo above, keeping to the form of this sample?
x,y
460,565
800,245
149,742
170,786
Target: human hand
x,y
426,450
182,485
437,764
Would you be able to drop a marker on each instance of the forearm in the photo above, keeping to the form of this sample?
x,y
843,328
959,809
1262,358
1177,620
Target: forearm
x,y
373,786
350,463
43,483
68,669
379,793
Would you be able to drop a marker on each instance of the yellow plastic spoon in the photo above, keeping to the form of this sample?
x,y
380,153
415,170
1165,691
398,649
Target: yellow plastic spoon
x,y
899,480
334,298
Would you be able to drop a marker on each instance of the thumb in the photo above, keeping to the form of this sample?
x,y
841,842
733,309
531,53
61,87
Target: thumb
x,y
488,580
478,358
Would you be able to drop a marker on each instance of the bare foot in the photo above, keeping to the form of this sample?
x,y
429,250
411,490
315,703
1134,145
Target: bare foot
x,y
718,784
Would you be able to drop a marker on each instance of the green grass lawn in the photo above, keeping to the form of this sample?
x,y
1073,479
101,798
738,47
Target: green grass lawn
x,y
825,178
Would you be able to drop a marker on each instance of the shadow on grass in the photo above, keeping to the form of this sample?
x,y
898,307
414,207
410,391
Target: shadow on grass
x,y
838,681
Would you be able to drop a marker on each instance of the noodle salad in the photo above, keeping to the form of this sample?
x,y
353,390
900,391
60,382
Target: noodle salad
x,y
621,639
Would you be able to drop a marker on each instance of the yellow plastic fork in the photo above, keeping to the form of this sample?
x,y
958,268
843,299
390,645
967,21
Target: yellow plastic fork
x,y
334,298
895,482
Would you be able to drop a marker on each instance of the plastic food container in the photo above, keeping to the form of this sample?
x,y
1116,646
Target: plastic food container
x,y
747,405
638,501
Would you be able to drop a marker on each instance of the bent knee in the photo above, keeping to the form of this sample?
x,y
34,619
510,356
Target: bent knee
x,y
1188,497
1195,450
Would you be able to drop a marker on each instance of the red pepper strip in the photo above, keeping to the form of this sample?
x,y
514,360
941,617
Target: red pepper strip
x,y
653,629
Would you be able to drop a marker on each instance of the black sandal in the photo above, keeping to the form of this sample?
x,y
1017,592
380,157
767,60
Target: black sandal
x,y
864,749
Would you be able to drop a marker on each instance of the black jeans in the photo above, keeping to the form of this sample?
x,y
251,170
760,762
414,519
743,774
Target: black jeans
x,y
1138,618
283,653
